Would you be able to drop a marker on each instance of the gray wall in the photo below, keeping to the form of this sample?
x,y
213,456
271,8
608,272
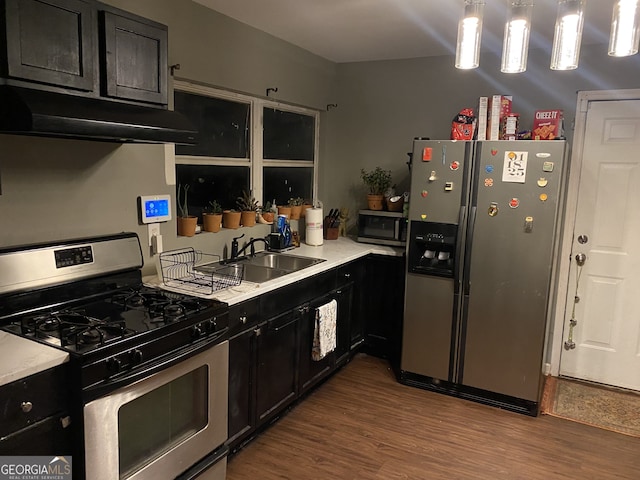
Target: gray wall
x,y
384,105
54,189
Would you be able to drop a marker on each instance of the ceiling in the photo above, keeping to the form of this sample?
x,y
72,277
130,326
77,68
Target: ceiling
x,y
365,30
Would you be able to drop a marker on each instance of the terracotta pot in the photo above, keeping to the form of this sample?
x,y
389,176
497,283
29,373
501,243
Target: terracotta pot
x,y
304,209
268,216
284,211
296,211
230,219
187,226
375,202
212,222
248,218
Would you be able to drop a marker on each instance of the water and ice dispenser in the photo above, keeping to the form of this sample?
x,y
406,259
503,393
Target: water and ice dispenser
x,y
432,248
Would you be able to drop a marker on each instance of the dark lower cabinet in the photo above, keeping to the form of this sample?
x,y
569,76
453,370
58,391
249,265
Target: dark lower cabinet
x,y
312,371
33,415
242,373
271,337
51,436
346,314
277,357
354,273
384,305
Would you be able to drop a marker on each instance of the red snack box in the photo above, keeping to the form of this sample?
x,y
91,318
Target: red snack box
x,y
548,125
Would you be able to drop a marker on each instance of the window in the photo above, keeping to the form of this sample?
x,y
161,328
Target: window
x,y
246,143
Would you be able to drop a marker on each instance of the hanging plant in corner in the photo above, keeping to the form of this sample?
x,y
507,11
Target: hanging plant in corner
x,y
186,223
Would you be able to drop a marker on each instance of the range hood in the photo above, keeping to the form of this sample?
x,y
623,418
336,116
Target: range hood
x,y
36,112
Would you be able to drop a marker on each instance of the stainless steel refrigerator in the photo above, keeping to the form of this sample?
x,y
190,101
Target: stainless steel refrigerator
x,y
483,226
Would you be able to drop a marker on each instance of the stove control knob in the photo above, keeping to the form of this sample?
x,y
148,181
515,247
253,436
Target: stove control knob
x,y
196,331
26,406
114,365
136,357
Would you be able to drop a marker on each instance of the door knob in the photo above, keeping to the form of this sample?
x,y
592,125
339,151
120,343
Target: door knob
x,y
580,259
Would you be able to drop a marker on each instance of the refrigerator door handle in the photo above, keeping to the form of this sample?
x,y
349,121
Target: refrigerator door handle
x,y
467,250
457,272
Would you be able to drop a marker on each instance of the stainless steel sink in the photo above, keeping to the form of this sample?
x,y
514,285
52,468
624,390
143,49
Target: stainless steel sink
x,y
262,267
282,261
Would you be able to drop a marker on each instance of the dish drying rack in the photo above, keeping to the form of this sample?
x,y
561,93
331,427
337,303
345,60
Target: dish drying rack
x,y
196,272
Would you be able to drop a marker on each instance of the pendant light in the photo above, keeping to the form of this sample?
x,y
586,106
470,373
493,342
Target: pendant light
x,y
624,28
568,35
469,34
515,46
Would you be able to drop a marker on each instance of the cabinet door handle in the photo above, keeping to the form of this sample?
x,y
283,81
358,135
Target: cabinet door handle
x,y
257,332
243,319
347,275
277,329
26,406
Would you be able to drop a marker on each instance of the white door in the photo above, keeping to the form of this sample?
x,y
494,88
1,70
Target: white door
x,y
604,344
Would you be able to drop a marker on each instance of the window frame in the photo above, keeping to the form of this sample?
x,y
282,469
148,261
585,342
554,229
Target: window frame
x,y
255,162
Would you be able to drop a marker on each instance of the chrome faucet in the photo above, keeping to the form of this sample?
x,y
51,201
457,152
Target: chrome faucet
x,y
235,253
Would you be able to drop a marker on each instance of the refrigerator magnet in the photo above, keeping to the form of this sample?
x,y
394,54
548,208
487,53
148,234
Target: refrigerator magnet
x,y
424,193
543,197
542,182
488,182
514,202
426,154
454,165
493,209
547,167
488,168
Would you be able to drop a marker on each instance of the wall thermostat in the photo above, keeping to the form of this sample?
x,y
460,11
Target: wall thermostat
x,y
155,208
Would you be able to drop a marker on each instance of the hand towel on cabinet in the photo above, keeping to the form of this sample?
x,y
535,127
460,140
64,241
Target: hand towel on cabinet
x,y
324,334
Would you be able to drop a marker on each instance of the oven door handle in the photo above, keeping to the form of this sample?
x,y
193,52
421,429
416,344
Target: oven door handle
x,y
172,358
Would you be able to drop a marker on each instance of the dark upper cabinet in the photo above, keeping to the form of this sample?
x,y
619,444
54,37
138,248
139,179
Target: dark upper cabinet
x,y
133,58
51,42
84,47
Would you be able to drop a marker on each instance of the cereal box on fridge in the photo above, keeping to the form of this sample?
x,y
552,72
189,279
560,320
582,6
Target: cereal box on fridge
x,y
548,125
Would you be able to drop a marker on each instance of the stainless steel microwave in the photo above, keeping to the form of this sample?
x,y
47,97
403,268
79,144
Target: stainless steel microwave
x,y
383,228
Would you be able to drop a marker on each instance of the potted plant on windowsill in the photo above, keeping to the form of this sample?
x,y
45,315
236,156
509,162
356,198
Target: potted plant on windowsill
x,y
186,223
248,207
296,207
268,213
212,217
377,182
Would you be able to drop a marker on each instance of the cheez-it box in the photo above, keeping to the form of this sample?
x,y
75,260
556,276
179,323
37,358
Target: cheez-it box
x,y
548,125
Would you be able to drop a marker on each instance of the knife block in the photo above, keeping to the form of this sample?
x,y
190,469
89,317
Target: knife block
x,y
329,233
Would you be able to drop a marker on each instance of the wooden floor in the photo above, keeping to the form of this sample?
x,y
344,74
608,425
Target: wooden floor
x,y
361,424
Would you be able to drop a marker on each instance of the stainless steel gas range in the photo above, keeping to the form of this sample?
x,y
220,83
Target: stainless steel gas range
x,y
149,368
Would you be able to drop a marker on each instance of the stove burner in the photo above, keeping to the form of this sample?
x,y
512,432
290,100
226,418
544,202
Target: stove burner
x,y
49,324
92,335
174,310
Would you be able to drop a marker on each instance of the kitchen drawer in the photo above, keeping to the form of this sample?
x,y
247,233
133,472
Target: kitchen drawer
x,y
51,436
32,399
243,315
285,298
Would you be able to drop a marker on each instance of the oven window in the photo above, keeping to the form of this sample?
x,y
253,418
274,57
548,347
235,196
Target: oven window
x,y
156,422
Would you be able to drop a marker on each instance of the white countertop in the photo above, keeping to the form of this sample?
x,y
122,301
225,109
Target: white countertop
x,y
21,357
334,252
